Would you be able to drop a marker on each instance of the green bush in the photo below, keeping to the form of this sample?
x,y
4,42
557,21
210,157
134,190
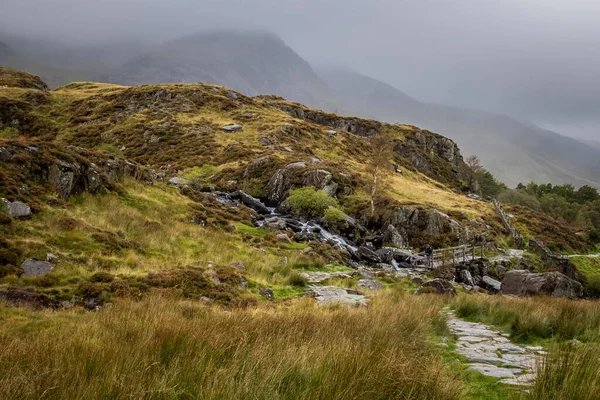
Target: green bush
x,y
309,202
334,215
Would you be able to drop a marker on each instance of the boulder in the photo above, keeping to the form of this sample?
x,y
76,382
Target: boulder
x,y
16,209
464,276
177,181
369,284
441,286
282,181
32,268
391,235
231,128
525,283
365,253
492,285
282,237
253,202
73,178
386,254
274,224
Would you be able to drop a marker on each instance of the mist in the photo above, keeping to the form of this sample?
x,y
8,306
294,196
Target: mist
x,y
538,61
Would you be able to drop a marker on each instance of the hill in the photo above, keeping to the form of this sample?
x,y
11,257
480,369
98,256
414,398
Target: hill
x,y
513,151
252,63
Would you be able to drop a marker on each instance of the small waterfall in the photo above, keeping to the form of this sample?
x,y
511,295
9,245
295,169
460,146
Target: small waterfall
x,y
326,236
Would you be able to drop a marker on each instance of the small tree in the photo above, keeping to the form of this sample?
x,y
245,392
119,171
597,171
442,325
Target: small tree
x,y
382,149
474,169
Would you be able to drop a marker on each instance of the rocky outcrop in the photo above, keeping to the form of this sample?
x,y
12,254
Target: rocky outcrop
x,y
296,175
68,171
74,177
433,144
24,298
524,283
357,126
433,155
426,225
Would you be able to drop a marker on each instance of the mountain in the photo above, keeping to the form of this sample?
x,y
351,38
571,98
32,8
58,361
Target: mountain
x,y
252,63
514,151
55,76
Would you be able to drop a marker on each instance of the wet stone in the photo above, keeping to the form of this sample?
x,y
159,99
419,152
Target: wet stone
x,y
490,353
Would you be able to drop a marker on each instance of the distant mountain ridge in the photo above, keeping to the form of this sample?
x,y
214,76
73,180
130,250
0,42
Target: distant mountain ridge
x,y
252,63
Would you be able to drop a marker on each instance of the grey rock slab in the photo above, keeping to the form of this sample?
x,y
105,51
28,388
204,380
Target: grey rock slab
x,y
176,181
493,371
336,295
231,128
492,354
32,268
369,284
318,277
16,209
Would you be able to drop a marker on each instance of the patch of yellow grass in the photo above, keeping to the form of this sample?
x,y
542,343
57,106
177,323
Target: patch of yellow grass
x,y
411,187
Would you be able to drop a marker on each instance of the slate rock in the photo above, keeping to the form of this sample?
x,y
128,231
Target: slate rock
x,y
367,254
32,268
441,286
16,209
525,283
369,284
231,128
253,203
177,181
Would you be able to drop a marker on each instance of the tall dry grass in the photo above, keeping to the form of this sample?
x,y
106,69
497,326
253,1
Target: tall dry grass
x,y
530,319
569,372
165,348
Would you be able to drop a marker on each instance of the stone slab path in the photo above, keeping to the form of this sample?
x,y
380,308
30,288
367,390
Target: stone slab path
x,y
492,354
335,294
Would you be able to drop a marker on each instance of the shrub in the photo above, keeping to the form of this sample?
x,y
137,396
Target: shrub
x,y
520,198
334,215
309,202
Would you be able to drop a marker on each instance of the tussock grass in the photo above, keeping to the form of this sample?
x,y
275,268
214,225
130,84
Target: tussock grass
x,y
164,348
569,372
530,319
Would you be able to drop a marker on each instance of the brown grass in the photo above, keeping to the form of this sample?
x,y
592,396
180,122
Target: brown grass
x,y
163,348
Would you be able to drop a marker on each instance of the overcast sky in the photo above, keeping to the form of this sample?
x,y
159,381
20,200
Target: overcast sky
x,y
538,60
